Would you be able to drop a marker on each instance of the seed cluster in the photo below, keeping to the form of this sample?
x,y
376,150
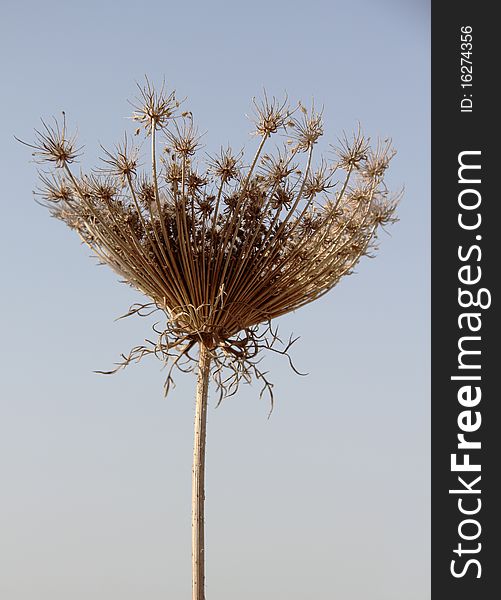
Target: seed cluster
x,y
222,245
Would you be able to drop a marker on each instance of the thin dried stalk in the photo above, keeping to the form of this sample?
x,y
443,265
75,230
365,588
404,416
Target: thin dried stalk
x,y
198,476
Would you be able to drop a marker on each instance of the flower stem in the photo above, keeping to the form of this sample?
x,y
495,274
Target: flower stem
x,y
198,476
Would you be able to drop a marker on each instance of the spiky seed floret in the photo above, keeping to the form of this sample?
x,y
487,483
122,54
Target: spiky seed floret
x,y
54,145
154,109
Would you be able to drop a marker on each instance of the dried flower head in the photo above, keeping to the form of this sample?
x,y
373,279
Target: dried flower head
x,y
352,152
122,162
308,128
154,109
378,160
269,115
222,252
54,145
184,139
277,167
319,181
55,188
225,166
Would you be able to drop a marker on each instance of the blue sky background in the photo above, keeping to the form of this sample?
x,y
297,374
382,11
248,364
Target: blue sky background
x,y
327,499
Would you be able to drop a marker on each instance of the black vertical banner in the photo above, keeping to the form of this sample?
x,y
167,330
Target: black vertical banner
x,y
466,424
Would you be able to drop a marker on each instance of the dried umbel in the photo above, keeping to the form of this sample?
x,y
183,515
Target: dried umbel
x,y
222,245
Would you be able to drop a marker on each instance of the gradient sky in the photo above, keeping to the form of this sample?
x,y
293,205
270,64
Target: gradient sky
x,y
329,498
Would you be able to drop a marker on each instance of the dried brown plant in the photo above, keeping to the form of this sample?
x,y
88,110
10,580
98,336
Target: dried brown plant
x,y
220,250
